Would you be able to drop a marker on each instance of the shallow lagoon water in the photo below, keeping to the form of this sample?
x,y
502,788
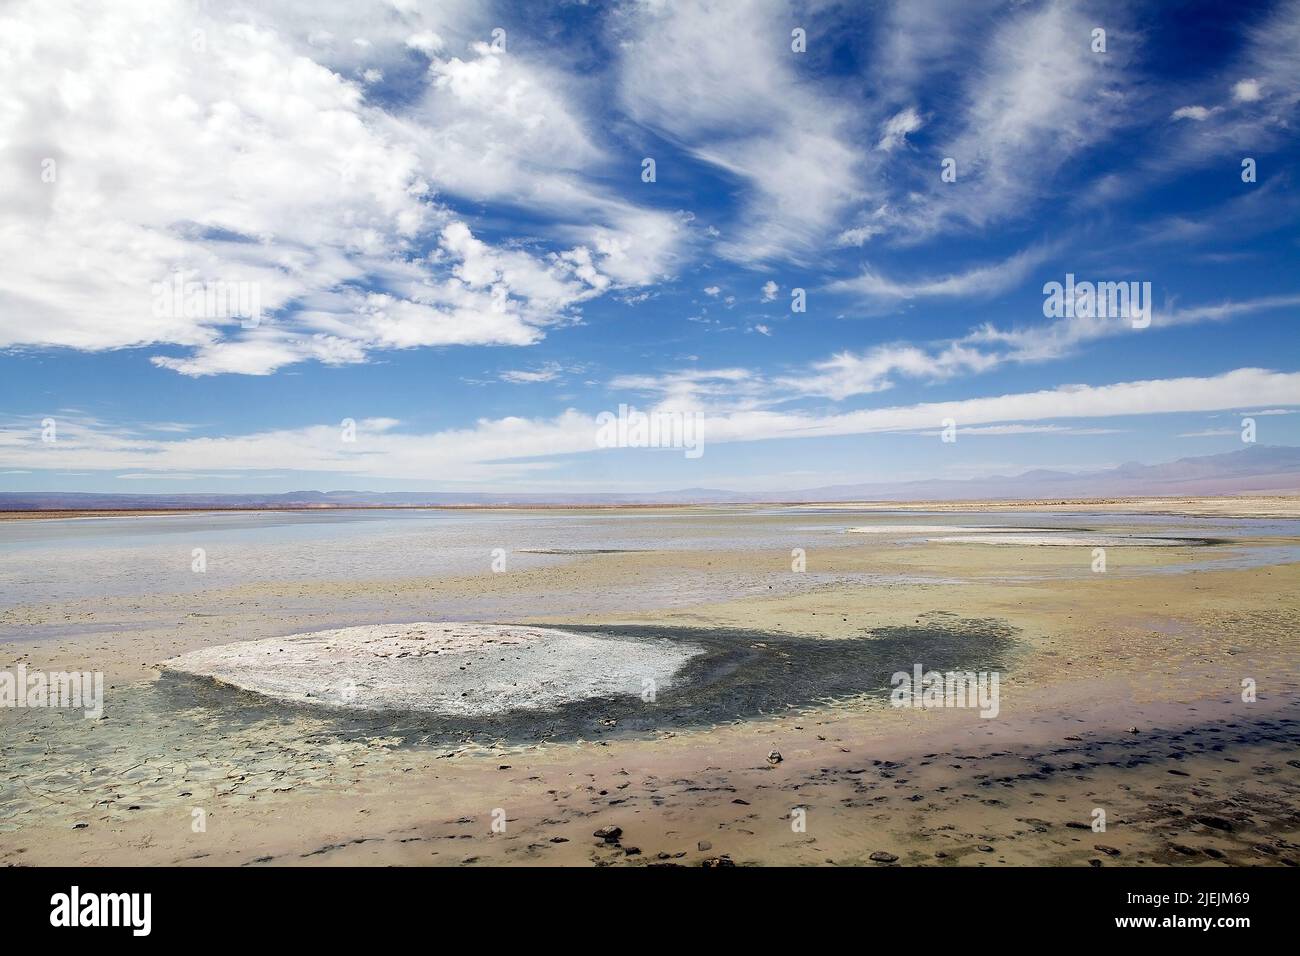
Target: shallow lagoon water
x,y
70,559
161,743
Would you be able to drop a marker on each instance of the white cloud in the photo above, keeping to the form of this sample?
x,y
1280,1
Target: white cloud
x,y
1255,98
987,347
1063,337
770,289
548,372
983,280
517,448
426,41
1028,99
847,374
232,146
1003,430
1246,91
896,129
1198,113
718,77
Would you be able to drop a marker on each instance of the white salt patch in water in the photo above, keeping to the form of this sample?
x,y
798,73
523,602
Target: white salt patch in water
x,y
1064,539
930,529
457,669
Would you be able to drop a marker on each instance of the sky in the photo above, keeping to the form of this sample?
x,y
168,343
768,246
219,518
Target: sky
x,y
400,245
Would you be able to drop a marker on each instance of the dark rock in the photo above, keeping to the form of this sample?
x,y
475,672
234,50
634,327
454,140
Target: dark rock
x,y
880,856
1214,823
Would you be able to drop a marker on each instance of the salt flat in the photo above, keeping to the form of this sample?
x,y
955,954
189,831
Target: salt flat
x,y
462,669
359,773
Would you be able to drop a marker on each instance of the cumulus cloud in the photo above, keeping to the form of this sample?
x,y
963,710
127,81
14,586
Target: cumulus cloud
x,y
148,141
1246,91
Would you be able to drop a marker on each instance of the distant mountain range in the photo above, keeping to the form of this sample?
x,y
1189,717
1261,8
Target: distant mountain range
x,y
1254,469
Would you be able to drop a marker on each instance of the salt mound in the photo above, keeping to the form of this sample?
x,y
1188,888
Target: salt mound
x,y
457,669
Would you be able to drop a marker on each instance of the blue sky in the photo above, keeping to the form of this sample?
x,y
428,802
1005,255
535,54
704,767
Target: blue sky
x,y
452,244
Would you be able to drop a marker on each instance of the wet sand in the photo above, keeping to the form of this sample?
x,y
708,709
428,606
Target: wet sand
x,y
1206,779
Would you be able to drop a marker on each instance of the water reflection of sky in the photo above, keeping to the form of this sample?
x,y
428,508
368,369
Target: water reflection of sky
x,y
67,559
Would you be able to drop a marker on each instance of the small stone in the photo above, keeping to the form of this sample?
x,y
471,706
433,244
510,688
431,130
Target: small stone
x,y
880,856
718,861
984,848
631,851
704,845
609,834
1132,730
1108,850
80,826
774,756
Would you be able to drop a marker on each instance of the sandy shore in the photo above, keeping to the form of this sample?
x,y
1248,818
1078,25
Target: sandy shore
x,y
1207,778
